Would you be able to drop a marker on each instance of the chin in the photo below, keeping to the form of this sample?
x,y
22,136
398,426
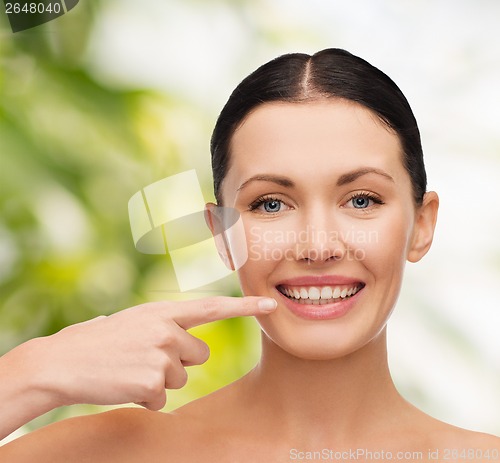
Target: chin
x,y
323,342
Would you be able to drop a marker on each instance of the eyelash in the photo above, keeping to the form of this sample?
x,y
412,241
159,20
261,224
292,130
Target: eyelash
x,y
363,194
263,199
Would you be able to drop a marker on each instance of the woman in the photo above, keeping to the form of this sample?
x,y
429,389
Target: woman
x,y
321,156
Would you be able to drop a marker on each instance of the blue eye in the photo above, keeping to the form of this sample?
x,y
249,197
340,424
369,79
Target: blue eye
x,y
361,202
272,205
268,205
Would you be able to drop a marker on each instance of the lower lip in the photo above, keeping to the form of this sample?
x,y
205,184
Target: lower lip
x,y
321,312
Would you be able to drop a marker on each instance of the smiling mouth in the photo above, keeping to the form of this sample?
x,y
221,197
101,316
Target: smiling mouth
x,y
320,295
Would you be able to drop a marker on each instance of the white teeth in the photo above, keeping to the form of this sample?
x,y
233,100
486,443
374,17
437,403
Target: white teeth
x,y
326,292
319,295
314,294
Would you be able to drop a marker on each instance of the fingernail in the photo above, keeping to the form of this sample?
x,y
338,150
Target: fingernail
x,y
267,305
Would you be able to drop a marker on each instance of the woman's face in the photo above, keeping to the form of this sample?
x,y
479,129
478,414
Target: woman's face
x,y
329,218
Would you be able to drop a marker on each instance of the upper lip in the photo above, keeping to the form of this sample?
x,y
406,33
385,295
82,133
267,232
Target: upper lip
x,y
318,280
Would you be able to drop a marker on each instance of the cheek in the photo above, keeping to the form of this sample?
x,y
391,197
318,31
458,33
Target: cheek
x,y
380,243
266,245
269,243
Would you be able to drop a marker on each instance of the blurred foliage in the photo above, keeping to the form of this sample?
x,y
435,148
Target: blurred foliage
x,y
72,152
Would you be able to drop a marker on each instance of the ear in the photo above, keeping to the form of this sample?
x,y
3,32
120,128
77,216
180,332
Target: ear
x,y
425,223
216,225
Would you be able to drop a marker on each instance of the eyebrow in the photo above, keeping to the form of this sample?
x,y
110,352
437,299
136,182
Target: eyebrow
x,y
355,174
279,180
344,179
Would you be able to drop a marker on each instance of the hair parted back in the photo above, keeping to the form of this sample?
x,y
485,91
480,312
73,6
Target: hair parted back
x,y
330,73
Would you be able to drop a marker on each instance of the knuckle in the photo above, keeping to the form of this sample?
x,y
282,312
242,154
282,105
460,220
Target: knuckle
x,y
166,363
160,362
164,336
155,311
212,305
167,339
154,384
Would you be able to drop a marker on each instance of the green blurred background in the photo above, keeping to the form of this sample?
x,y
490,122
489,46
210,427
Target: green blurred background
x,y
116,95
73,151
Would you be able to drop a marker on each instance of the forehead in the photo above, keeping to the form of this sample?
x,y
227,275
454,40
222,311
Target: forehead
x,y
312,140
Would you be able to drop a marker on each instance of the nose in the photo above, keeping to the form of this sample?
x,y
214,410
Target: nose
x,y
320,241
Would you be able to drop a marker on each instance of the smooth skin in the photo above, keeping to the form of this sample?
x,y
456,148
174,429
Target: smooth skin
x,y
320,384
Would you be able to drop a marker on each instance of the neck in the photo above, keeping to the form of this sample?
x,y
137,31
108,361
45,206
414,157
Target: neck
x,y
346,395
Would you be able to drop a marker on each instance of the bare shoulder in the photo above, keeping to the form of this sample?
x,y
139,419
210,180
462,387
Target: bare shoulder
x,y
478,440
122,435
458,444
438,441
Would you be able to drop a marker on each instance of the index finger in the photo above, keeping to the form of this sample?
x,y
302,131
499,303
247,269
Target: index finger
x,y
188,314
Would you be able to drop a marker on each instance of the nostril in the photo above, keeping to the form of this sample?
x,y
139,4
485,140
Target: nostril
x,y
324,255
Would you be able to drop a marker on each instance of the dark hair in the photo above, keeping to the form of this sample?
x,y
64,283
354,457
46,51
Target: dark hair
x,y
333,72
